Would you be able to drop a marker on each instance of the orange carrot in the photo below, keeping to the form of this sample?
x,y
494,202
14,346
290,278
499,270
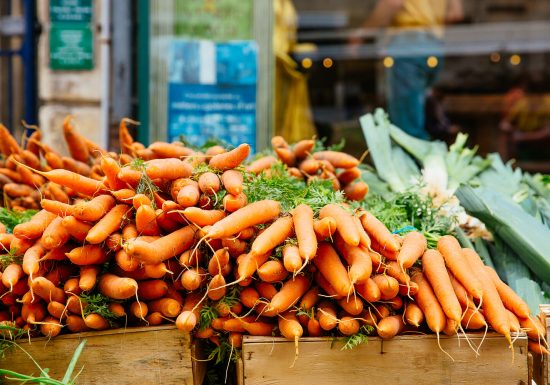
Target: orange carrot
x,y
76,228
232,181
473,319
331,267
337,159
347,176
537,347
509,298
251,215
169,150
87,255
75,142
88,277
94,209
356,191
209,183
414,245
202,217
261,164
303,148
436,273
290,328
232,203
186,321
290,294
169,168
291,258
56,309
357,258
76,324
110,223
389,327
139,309
344,223
449,247
428,303
46,290
31,259
192,279
82,184
272,271
168,307
302,217
11,275
379,232
286,156
35,227
111,169
116,287
413,314
217,287
188,196
96,322
353,305
162,249
50,327
369,290
533,327
230,159
324,228
348,326
389,287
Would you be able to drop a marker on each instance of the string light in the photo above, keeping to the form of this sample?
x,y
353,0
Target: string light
x,y
515,60
432,62
327,62
306,62
388,62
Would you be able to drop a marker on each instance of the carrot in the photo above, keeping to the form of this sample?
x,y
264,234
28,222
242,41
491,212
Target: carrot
x,y
353,305
50,327
219,259
247,234
31,259
436,273
272,236
56,309
188,196
186,321
249,297
261,164
232,203
310,298
379,232
330,266
192,279
71,286
533,327
202,217
35,227
217,287
230,159
369,290
31,142
302,217
58,193
77,166
76,324
389,327
537,347
473,319
266,290
117,309
82,184
251,215
303,148
389,287
169,168
232,181
114,242
12,175
46,290
169,150
324,228
465,299
111,168
15,190
514,322
291,258
234,246
451,327
286,156
357,258
215,150
209,183
11,275
87,255
449,247
290,328
96,322
272,271
493,308
139,309
249,264
409,289
509,298
76,228
110,223
33,312
413,314
88,277
168,307
140,199
162,249
327,315
326,286
180,183
75,142
347,176
146,221
414,245
348,326
344,223
290,294
337,159
356,191
55,207
428,303
190,258
258,328
94,209
116,287
124,195
8,143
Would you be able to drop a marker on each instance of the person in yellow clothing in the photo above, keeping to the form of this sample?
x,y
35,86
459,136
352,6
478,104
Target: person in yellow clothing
x,y
293,118
415,31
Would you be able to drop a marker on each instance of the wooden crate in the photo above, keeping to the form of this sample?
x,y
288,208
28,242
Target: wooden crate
x,y
541,370
144,355
407,359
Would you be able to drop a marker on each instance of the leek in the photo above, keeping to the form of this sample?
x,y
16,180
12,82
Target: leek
x,y
523,233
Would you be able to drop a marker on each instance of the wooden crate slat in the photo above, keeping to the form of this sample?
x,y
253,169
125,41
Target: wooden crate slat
x,y
145,355
402,360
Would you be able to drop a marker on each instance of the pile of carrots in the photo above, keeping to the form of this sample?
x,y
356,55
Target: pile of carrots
x,y
148,231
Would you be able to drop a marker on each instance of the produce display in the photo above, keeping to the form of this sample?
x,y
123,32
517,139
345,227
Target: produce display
x,y
284,244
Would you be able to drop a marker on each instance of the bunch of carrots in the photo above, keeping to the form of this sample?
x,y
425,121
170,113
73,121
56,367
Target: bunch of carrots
x,y
166,234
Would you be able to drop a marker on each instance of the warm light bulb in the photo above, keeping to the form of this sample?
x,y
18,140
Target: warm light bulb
x,y
388,62
432,62
306,62
327,62
515,60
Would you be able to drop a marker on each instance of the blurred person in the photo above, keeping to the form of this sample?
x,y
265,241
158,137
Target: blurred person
x,y
293,118
415,46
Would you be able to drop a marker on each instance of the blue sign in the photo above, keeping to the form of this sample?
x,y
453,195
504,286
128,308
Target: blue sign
x,y
212,91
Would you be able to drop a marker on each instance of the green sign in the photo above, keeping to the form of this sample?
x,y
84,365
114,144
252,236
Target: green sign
x,y
71,46
71,11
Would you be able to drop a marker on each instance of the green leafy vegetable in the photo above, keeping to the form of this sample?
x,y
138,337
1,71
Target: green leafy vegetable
x,y
10,218
98,304
362,337
145,185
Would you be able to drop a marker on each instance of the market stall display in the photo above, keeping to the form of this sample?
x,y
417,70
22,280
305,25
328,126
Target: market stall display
x,y
282,245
